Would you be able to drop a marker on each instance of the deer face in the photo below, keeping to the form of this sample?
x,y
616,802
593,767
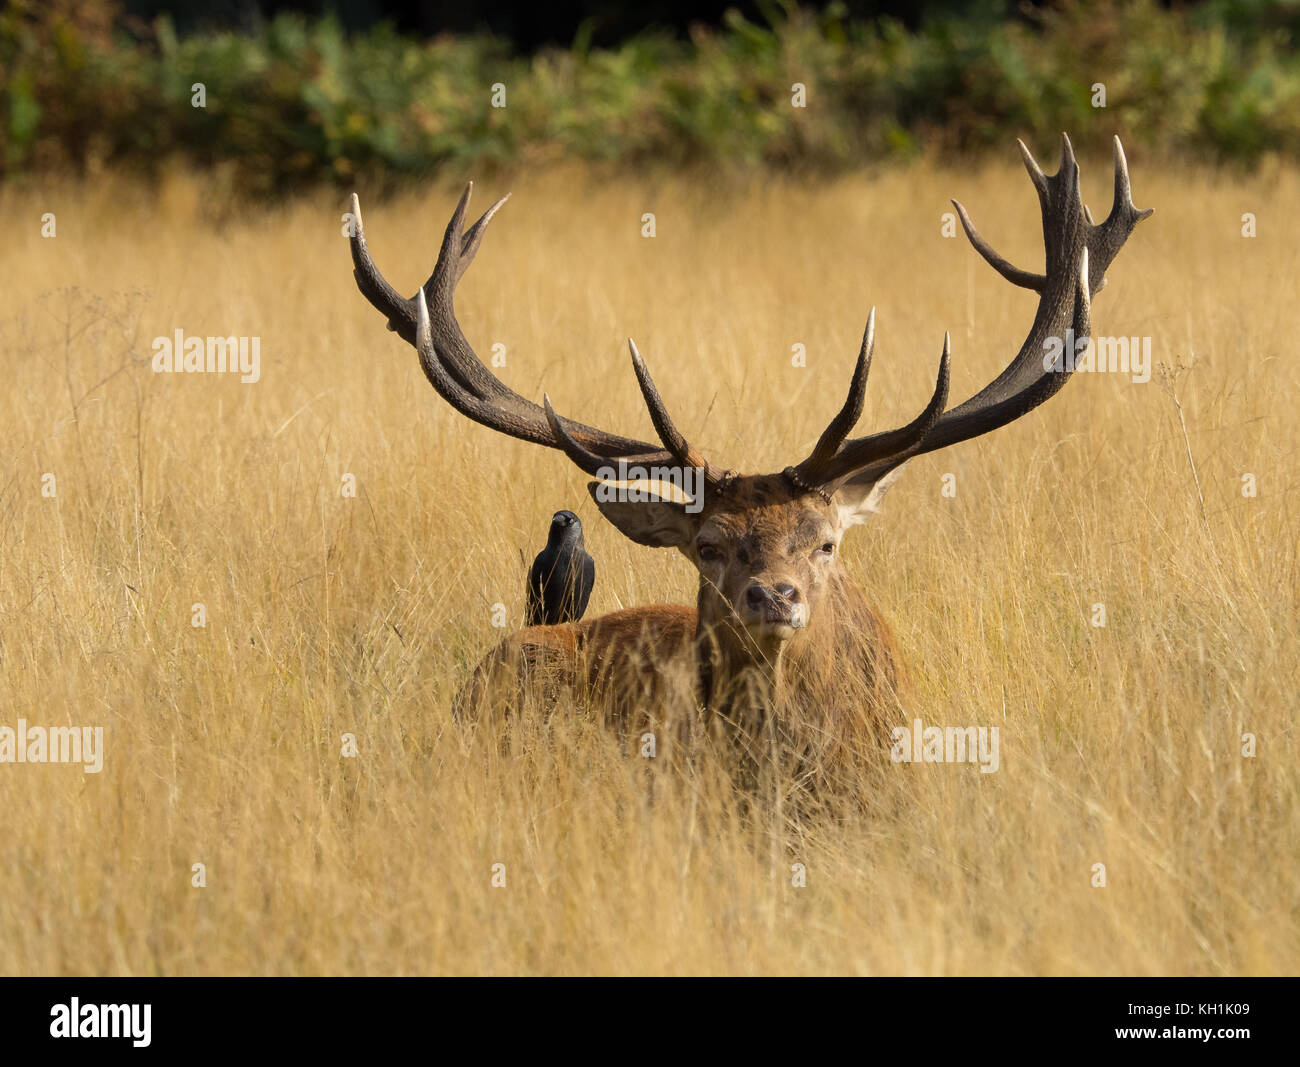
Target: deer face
x,y
764,569
767,553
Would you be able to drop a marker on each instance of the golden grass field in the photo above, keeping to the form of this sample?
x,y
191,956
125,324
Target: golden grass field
x,y
328,615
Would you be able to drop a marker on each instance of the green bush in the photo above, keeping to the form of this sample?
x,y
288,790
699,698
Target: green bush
x,y
302,103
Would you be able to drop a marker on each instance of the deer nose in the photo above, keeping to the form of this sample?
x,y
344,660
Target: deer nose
x,y
759,596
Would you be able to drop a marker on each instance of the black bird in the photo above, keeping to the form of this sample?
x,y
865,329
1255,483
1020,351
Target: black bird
x,y
559,585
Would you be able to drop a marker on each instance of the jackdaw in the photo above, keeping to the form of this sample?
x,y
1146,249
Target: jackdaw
x,y
560,582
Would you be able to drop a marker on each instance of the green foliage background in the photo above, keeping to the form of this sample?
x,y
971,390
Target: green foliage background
x,y
301,103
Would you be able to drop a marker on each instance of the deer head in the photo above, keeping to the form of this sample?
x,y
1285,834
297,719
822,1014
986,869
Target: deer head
x,y
767,546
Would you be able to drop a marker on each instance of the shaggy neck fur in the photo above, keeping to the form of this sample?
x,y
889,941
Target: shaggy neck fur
x,y
741,677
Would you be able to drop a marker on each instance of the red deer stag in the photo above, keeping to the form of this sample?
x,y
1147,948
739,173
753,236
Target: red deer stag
x,y
781,644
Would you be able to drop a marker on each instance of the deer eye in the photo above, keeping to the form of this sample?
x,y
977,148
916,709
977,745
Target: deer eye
x,y
709,553
828,549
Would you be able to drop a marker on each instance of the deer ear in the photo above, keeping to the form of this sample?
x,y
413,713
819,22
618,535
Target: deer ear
x,y
859,500
644,516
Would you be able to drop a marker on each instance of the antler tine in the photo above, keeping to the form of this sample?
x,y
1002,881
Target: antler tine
x,y
1124,188
582,457
1068,174
475,234
1106,238
1067,154
1026,279
442,280
809,472
374,287
673,439
1036,174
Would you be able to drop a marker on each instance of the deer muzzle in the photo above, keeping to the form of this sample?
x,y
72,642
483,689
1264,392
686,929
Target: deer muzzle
x,y
775,610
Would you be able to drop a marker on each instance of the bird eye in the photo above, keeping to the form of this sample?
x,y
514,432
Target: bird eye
x,y
709,553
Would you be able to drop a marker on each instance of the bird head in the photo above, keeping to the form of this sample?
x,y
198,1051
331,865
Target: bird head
x,y
565,526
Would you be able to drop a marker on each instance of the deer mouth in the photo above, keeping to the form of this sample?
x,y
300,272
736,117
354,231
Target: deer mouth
x,y
779,631
775,624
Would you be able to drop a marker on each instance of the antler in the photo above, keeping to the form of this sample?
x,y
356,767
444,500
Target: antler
x,y
1078,251
428,321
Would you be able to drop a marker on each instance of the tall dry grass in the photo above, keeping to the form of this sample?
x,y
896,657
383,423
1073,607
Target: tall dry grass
x,y
326,615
